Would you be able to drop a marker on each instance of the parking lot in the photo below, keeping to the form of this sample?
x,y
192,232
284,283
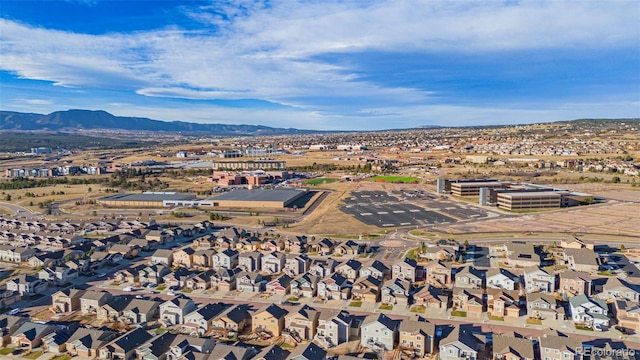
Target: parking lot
x,y
403,208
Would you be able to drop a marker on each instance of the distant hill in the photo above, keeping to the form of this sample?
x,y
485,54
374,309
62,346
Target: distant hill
x,y
95,120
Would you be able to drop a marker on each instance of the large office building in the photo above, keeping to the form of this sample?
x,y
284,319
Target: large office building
x,y
524,200
464,188
249,165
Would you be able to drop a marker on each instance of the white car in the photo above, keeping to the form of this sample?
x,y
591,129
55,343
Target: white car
x,y
128,288
101,275
171,293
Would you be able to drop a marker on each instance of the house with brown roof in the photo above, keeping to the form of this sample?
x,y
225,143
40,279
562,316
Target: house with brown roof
x,y
349,247
124,347
127,251
367,289
323,267
468,300
280,285
582,260
86,342
574,283
162,256
333,327
417,337
8,326
350,269
470,278
201,281
234,318
544,306
273,263
575,243
66,300
407,269
512,348
503,303
29,335
203,258
305,285
627,313
435,253
153,274
250,260
225,279
432,297
205,242
439,274
200,320
269,319
301,323
183,257
460,343
555,347
91,301
618,289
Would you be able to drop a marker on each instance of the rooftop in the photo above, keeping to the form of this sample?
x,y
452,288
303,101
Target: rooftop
x,y
280,195
149,196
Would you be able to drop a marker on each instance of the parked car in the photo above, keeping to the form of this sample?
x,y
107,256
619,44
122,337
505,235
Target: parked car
x,y
171,293
128,288
624,330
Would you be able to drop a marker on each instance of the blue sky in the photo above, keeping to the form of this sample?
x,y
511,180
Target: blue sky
x,y
326,65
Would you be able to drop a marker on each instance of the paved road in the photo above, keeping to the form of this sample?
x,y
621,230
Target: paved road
x,y
18,210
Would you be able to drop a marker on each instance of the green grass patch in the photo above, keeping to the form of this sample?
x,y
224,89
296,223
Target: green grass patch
x,y
459,313
386,307
532,321
6,351
582,327
421,233
320,181
186,290
161,287
412,254
286,346
606,273
496,318
356,304
420,309
293,299
160,331
33,355
62,357
396,179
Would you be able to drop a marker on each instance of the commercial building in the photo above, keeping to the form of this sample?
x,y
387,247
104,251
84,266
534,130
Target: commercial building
x,y
258,198
249,165
147,199
517,200
472,187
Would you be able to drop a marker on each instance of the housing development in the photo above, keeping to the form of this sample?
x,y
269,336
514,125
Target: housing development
x,y
423,244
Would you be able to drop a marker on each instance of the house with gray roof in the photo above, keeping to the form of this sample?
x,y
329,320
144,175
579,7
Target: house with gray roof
x,y
250,260
309,351
273,352
460,344
201,320
544,306
87,342
618,289
511,347
249,281
124,347
417,337
333,327
173,312
377,269
556,347
589,311
92,301
379,332
29,335
537,279
582,260
162,256
469,278
156,348
499,278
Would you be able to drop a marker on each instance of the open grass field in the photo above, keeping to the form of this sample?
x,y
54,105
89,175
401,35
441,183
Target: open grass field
x,y
320,181
396,179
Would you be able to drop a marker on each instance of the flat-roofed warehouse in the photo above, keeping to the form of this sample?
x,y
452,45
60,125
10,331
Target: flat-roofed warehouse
x,y
258,198
146,199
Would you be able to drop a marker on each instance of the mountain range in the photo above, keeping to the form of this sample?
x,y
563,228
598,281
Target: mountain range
x,y
101,120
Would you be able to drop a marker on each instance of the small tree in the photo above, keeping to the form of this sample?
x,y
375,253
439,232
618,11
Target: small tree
x,y
622,247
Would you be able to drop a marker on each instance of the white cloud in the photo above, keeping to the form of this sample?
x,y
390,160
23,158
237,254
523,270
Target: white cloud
x,y
249,51
34,101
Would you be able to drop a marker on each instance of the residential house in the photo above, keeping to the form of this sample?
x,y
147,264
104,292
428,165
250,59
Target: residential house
x,y
469,301
296,264
139,311
29,335
305,285
206,242
280,285
554,347
504,304
438,253
227,259
124,347
582,260
396,292
273,352
407,269
521,254
130,275
162,256
250,261
8,326
143,244
203,258
379,332
112,310
439,274
333,327
470,278
27,285
507,347
324,246
270,319
225,351
234,318
499,278
334,287
66,300
618,289
349,247
86,342
125,250
296,245
627,314
302,323
178,278
350,269
13,254
309,351
173,312
249,282
153,274
367,289
574,283
432,297
323,268
272,245
225,279
183,257
543,306
589,311
201,281
273,263
376,269
575,243
537,279
201,320
461,343
417,337
55,342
